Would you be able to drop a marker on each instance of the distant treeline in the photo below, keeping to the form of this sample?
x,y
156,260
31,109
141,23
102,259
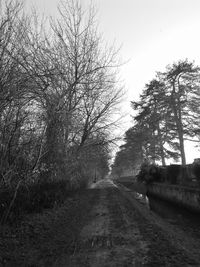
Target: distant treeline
x,y
165,116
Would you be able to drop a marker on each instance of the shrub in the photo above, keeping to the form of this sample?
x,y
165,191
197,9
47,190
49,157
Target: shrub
x,y
148,173
32,198
173,172
196,171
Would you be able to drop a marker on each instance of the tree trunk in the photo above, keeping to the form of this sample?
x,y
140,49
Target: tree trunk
x,y
178,120
162,154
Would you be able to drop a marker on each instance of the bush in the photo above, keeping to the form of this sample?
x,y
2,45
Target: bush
x,y
173,171
32,198
196,171
149,173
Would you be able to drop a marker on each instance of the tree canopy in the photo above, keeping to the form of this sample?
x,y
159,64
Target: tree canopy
x,y
58,90
167,114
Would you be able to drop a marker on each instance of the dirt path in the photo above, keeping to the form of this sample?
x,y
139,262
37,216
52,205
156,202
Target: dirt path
x,y
109,239
119,235
103,226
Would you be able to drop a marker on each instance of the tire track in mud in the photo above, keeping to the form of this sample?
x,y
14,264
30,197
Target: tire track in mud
x,y
110,238
94,237
167,245
122,244
130,249
118,235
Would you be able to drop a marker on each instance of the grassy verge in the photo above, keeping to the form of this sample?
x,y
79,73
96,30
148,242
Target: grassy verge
x,y
42,238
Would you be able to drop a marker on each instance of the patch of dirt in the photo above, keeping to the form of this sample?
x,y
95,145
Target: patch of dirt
x,y
163,249
109,238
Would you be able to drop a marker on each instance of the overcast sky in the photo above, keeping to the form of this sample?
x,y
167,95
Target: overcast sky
x,y
153,33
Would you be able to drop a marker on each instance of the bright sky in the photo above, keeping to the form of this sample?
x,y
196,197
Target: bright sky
x,y
154,33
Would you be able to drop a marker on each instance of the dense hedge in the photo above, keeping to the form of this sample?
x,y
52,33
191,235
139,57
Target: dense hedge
x,y
196,171
149,173
33,198
174,174
173,171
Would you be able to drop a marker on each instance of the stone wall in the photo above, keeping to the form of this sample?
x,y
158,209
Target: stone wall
x,y
180,195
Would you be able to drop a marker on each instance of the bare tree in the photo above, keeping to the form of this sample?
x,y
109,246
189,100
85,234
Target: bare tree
x,y
86,77
72,83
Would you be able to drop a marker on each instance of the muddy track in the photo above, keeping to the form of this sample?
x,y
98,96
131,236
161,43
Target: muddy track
x,y
103,226
178,238
119,235
165,247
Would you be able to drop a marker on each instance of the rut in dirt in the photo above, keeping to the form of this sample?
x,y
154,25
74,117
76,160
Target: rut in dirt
x,y
101,227
109,239
117,235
